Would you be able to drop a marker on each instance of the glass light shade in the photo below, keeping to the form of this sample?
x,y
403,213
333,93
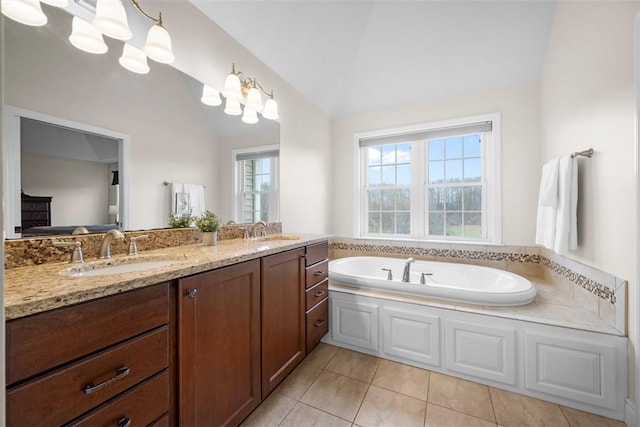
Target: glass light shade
x,y
254,99
133,59
210,96
232,87
27,12
158,45
111,19
250,116
86,37
232,107
56,3
270,109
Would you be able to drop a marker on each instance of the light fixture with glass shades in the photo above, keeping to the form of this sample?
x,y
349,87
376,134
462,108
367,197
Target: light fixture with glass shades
x,y
236,90
210,96
110,20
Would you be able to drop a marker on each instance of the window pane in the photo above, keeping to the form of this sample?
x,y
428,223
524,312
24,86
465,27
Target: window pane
x,y
436,199
388,200
374,175
436,149
388,154
473,198
403,153
454,224
374,222
453,147
403,200
472,170
453,197
472,145
453,172
473,224
436,223
262,165
263,182
403,223
373,153
388,175
436,172
404,175
374,200
388,222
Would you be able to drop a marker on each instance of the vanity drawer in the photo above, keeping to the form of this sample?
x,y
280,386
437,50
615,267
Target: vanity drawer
x,y
317,293
316,253
317,324
141,406
63,395
35,216
50,339
317,273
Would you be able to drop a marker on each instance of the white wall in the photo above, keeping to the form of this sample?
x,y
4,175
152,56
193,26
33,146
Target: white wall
x,y
520,153
79,197
587,101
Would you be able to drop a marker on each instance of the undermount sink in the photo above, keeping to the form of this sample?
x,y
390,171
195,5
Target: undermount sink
x,y
278,237
118,266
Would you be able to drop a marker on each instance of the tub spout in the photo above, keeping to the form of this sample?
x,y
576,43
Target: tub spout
x,y
407,268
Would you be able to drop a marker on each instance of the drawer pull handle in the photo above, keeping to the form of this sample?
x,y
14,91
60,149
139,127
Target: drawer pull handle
x,y
318,294
192,293
318,273
120,373
319,323
124,422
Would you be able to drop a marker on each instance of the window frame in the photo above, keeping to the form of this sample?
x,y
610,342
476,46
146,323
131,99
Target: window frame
x,y
492,185
238,179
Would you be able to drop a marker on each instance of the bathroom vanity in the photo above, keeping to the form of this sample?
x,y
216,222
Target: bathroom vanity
x,y
199,342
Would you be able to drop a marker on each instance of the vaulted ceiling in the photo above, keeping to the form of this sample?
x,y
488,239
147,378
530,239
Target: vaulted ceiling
x,y
350,57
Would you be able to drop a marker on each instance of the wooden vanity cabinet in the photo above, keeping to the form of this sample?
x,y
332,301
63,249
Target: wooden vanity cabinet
x,y
219,345
283,316
317,293
73,364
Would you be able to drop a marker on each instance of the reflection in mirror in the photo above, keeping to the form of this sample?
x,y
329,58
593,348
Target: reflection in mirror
x,y
163,130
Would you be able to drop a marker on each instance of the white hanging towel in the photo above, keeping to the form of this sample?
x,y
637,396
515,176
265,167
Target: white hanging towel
x,y
547,205
566,238
187,198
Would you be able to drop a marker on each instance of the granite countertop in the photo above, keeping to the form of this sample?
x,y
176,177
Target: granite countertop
x,y
30,290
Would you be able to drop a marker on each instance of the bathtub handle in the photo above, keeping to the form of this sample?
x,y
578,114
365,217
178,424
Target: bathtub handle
x,y
389,275
422,278
319,323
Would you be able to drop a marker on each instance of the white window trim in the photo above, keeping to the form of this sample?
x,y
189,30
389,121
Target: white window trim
x,y
493,177
274,205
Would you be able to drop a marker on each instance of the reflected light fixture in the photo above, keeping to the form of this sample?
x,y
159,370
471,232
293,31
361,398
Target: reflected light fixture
x,y
232,107
27,12
250,115
85,36
111,19
210,96
133,59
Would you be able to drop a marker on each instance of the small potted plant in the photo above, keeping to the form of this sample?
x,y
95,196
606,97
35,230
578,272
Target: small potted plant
x,y
184,220
209,224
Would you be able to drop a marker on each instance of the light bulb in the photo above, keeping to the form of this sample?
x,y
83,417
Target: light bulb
x,y
56,3
254,99
111,19
27,12
210,96
133,59
250,116
232,87
86,37
270,109
232,107
158,45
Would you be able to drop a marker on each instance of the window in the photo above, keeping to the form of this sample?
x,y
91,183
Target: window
x,y
256,188
433,182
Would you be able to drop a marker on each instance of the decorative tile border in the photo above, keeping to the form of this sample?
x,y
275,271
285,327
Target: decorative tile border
x,y
602,291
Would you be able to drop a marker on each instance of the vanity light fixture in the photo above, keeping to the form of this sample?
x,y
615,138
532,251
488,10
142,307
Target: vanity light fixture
x,y
87,37
210,96
248,89
27,12
133,59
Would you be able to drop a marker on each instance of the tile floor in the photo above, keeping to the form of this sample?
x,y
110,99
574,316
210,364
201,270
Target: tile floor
x,y
338,387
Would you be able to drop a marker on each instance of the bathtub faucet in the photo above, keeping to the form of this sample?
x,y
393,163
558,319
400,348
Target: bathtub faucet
x,y
407,268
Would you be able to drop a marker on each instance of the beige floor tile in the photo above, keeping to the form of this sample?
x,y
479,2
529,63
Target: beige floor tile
x,y
461,395
321,355
305,416
299,381
516,410
382,407
271,412
336,394
402,378
437,416
354,365
578,418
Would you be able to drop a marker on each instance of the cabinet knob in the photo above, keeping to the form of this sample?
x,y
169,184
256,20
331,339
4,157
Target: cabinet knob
x,y
319,323
124,422
192,293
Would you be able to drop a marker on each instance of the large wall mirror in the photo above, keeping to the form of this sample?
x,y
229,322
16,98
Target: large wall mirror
x,y
73,121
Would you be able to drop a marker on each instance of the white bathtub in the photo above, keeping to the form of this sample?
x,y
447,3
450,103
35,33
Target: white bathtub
x,y
455,282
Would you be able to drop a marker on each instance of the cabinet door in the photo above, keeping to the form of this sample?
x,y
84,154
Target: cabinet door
x,y
412,335
283,316
219,345
354,321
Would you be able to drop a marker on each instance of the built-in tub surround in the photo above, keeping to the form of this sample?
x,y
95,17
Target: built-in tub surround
x,y
37,251
569,293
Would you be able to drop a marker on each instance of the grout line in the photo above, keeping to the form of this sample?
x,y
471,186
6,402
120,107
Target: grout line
x,y
493,407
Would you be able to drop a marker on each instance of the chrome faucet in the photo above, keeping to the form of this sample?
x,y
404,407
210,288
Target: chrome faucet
x,y
256,226
105,247
133,246
407,268
76,256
